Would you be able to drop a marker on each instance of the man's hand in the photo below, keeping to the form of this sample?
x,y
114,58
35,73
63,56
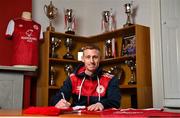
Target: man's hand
x,y
96,107
63,104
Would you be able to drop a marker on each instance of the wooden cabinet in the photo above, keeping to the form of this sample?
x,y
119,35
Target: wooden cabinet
x,y
137,95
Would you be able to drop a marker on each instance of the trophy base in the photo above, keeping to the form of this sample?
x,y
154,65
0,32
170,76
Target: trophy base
x,y
107,57
68,56
127,25
131,82
52,83
50,28
70,32
54,56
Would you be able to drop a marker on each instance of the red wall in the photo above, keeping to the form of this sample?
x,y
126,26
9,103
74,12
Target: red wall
x,y
10,9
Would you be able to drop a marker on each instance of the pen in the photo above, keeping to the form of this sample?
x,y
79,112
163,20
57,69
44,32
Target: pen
x,y
62,95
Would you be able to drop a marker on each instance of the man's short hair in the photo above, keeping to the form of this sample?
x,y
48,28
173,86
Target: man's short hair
x,y
91,46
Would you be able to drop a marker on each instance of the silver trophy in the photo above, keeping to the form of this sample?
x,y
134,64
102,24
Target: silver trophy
x,y
68,69
132,65
68,43
69,21
55,43
70,26
106,19
52,76
127,7
108,44
108,23
51,12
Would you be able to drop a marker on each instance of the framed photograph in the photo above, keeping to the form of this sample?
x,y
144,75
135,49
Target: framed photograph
x,y
128,46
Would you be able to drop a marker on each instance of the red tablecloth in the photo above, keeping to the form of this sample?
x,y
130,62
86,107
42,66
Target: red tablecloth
x,y
53,111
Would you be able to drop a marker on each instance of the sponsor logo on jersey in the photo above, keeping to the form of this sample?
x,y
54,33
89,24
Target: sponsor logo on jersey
x,y
29,37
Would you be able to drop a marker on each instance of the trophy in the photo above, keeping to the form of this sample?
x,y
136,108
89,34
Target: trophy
x,y
108,46
55,42
108,23
52,76
106,17
117,71
132,65
68,69
68,43
127,7
69,21
70,26
51,12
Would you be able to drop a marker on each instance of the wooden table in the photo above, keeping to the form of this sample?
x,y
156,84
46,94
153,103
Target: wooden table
x,y
18,113
105,114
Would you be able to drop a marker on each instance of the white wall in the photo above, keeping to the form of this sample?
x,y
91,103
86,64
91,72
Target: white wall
x,y
88,15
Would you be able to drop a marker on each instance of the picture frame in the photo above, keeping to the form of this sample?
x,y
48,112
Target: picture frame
x,y
128,45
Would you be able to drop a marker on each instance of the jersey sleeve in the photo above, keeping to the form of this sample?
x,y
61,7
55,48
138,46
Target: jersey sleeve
x,y
41,34
10,29
113,95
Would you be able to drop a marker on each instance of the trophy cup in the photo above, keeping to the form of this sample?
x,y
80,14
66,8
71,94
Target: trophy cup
x,y
68,69
51,12
70,24
132,65
106,17
55,42
117,71
52,76
68,43
108,46
127,7
69,21
108,23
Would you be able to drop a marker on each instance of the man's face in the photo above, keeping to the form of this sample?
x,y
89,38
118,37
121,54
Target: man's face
x,y
91,59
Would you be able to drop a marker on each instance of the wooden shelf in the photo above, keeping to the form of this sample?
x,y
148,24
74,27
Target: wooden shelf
x,y
100,37
127,86
59,60
117,59
142,91
53,87
104,61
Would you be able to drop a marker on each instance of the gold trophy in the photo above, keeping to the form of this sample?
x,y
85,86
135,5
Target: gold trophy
x,y
51,12
127,7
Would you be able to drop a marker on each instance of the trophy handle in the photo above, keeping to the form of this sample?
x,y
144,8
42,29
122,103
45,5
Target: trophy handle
x,y
55,11
45,9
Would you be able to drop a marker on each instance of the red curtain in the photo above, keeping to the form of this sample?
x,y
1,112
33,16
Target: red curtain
x,y
10,9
